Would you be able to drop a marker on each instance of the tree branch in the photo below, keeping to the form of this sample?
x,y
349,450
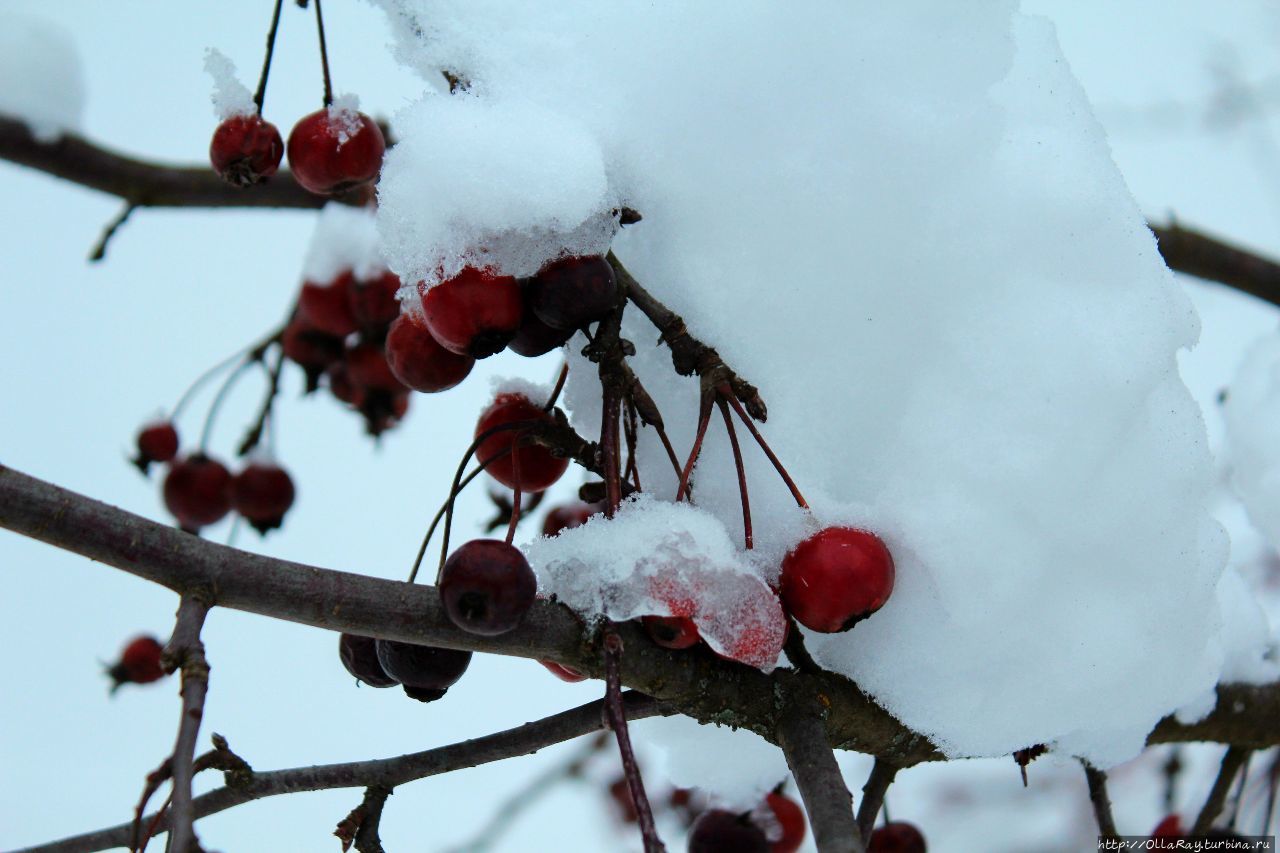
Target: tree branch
x,y
1232,761
802,734
878,782
386,772
187,651
1101,802
1198,254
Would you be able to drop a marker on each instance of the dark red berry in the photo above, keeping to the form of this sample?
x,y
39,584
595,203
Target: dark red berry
x,y
534,337
835,578
568,516
671,632
334,150
425,671
382,410
789,818
246,150
620,793
197,491
504,451
327,307
341,386
719,831
373,302
896,837
310,349
139,663
1169,827
262,493
562,672
157,442
573,292
475,313
487,587
418,360
360,657
367,367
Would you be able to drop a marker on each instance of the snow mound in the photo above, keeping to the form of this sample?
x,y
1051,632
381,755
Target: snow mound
x,y
345,239
1252,413
42,80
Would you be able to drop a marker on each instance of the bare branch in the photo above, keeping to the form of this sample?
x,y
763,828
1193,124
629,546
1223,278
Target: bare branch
x,y
1198,254
1232,761
187,651
878,782
386,772
803,738
1101,802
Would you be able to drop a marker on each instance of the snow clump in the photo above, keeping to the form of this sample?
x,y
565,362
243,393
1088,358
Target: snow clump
x,y
345,239
42,80
230,97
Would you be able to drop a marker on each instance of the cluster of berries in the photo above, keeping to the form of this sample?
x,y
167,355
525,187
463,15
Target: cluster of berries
x,y
199,490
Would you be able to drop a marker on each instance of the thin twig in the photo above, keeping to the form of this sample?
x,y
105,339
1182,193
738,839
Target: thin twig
x,y
324,57
742,474
99,250
617,715
878,782
187,651
1101,802
360,826
557,388
1232,761
260,95
802,735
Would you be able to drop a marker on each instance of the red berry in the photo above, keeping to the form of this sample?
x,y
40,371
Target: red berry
x,y
360,656
671,632
382,410
197,491
620,793
157,442
790,819
373,302
262,493
425,671
487,587
327,307
574,292
538,467
1169,827
568,516
719,831
246,150
896,837
310,349
367,367
836,577
562,672
139,663
418,360
535,338
474,313
334,150
341,386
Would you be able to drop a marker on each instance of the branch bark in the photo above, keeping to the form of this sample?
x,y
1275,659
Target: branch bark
x,y
1101,802
802,734
1198,254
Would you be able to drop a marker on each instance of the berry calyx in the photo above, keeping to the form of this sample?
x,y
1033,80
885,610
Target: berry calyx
x,y
790,823
475,313
836,577
262,493
333,150
896,837
486,587
564,673
574,292
197,491
568,516
139,663
720,831
327,307
671,632
246,150
417,359
360,657
504,452
157,442
425,671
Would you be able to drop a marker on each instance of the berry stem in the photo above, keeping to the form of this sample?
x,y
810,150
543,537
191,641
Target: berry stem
x,y
515,499
559,386
742,474
704,418
618,721
671,451
260,95
254,435
1232,761
324,57
219,399
727,393
435,520
610,450
629,428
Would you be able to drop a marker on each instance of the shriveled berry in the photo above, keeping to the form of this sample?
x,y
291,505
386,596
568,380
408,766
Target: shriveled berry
x,y
475,313
157,442
573,292
569,516
562,672
417,359
836,577
789,821
246,150
333,150
327,307
720,831
373,302
671,632
504,452
197,491
367,367
486,587
262,492
896,837
360,657
425,671
139,663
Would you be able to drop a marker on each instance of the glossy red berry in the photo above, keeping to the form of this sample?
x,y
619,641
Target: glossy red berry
x,y
360,656
262,493
157,442
534,337
475,313
417,359
487,587
139,663
573,292
503,451
835,578
327,307
896,837
568,516
789,821
246,150
562,672
671,632
310,349
425,671
333,150
719,831
1169,827
197,491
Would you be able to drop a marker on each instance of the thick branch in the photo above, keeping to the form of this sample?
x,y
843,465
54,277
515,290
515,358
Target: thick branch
x,y
386,773
802,734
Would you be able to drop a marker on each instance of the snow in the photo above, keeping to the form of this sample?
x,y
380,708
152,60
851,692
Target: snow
x,y
344,116
920,250
345,239
230,97
42,80
1252,413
